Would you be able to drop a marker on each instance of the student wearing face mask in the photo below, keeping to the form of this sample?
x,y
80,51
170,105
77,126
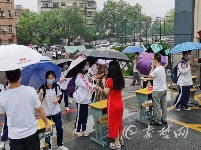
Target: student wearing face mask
x,y
82,96
63,85
49,96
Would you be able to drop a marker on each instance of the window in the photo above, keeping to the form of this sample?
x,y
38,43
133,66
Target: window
x,y
17,13
63,4
9,14
10,41
56,5
2,14
10,29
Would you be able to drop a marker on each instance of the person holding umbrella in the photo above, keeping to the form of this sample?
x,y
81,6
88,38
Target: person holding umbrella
x,y
82,96
49,95
184,82
136,75
20,104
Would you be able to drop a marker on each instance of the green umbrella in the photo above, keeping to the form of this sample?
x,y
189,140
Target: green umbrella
x,y
154,48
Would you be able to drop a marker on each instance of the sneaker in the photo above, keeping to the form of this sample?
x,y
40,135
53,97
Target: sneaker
x,y
67,109
177,108
85,133
164,121
132,84
187,108
78,133
62,148
2,145
154,122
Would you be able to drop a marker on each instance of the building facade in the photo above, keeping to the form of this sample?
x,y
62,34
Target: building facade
x,y
18,10
88,6
7,22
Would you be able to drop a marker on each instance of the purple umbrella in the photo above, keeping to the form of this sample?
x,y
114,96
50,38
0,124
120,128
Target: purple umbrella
x,y
143,63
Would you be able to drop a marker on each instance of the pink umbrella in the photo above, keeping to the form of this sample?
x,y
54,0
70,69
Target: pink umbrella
x,y
144,63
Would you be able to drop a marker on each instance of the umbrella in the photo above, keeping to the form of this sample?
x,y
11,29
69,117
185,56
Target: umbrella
x,y
61,61
34,75
154,48
82,52
72,69
103,62
143,63
133,49
185,47
17,56
45,58
107,54
164,52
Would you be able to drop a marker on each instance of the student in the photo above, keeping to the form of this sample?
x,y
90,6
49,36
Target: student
x,y
136,75
63,85
49,99
20,103
4,134
159,94
82,96
114,85
184,82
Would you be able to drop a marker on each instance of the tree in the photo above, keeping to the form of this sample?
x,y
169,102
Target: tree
x,y
50,27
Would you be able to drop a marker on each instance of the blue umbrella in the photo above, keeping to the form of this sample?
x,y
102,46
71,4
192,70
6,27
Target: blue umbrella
x,y
133,49
185,47
34,75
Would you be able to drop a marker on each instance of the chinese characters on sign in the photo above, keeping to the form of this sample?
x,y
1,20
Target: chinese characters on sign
x,y
130,130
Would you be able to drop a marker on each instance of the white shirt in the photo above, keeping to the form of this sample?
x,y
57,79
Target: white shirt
x,y
184,74
47,102
63,85
159,79
84,91
19,104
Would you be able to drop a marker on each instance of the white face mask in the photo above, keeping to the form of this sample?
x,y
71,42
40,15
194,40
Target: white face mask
x,y
190,56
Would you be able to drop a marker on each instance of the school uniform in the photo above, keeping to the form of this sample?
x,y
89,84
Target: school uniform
x,y
53,112
184,82
82,96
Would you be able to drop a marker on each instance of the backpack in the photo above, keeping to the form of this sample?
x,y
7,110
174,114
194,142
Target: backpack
x,y
174,75
44,89
71,87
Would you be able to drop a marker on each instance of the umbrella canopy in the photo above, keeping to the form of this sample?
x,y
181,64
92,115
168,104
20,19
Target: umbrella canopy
x,y
82,52
17,56
103,62
133,49
154,48
185,47
107,54
34,75
144,63
72,70
45,58
61,61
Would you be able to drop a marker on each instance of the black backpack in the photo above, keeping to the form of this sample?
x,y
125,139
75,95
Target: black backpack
x,y
174,75
44,89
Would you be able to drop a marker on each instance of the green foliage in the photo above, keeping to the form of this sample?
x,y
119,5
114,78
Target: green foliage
x,y
50,26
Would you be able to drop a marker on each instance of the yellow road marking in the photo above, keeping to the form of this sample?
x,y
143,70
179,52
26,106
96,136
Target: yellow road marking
x,y
127,97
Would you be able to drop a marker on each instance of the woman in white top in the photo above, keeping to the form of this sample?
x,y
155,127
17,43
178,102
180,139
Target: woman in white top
x,y
63,83
82,96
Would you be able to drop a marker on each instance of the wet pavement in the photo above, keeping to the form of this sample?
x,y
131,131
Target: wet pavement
x,y
182,132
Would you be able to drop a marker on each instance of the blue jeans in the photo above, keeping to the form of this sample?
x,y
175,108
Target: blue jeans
x,y
58,123
4,136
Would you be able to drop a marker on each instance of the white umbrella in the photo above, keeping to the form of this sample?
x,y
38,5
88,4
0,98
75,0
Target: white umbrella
x,y
17,56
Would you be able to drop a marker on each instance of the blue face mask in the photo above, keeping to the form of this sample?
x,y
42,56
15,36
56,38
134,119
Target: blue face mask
x,y
66,66
86,68
50,81
190,56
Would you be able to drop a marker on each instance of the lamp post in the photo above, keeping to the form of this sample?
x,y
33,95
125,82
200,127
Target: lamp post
x,y
122,32
134,33
159,18
125,19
